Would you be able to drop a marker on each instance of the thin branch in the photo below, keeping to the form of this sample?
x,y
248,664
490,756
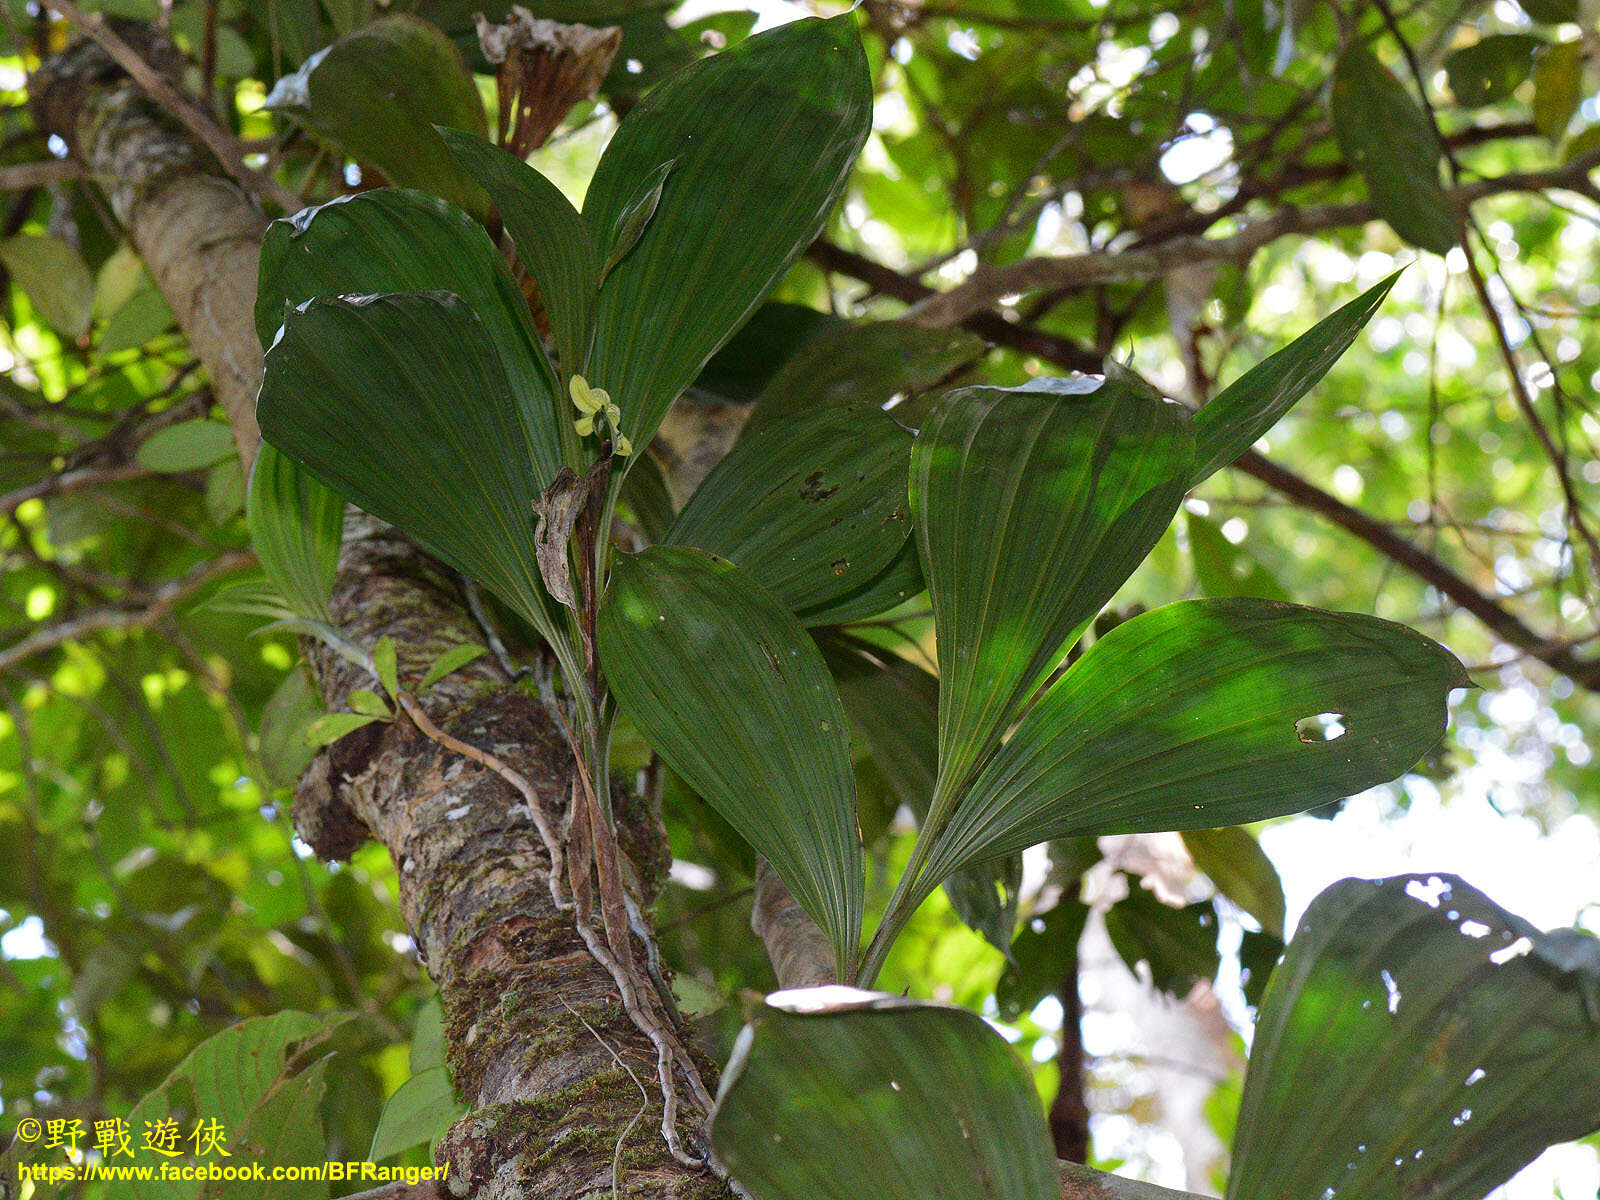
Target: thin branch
x,y
23,176
137,613
223,145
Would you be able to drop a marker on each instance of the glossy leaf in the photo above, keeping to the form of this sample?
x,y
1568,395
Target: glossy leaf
x,y
731,692
763,136
1417,1040
398,240
1384,134
1234,861
1032,506
296,527
862,364
813,508
893,705
401,403
1252,404
377,94
1196,715
551,239
855,1094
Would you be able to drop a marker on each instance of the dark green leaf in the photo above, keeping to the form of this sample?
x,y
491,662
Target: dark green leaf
x,y
1388,139
1043,955
888,589
762,136
1417,1040
377,94
894,706
862,364
225,490
1252,404
396,240
813,508
552,240
637,214
1551,12
728,689
1258,957
1234,861
402,404
1557,88
296,527
1032,505
1490,69
1179,945
188,446
860,1094
1199,715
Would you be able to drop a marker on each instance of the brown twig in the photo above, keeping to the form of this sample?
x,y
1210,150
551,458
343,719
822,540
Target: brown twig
x,y
223,145
23,176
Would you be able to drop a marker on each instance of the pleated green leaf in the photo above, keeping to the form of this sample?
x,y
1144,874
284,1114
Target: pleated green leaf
x,y
1032,505
396,240
1208,713
1252,404
1386,136
860,1094
1417,1040
813,508
763,136
862,364
400,403
377,94
296,526
727,687
551,239
894,706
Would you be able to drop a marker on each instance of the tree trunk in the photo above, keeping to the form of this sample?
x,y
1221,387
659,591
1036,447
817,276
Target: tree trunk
x,y
561,1082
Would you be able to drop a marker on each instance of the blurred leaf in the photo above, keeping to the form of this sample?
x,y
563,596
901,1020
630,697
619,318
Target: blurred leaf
x,y
453,466
427,1036
762,137
1490,69
813,508
377,94
1389,140
1179,945
1233,860
1258,957
296,527
728,689
1202,714
1557,88
1223,569
142,319
875,1095
1551,12
292,707
225,490
1033,504
57,283
326,730
385,661
421,1108
1252,404
1479,1034
1042,956
187,446
396,240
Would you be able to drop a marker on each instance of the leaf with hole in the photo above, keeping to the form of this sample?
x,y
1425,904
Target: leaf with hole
x,y
1189,717
762,137
1385,135
875,1095
813,508
402,403
1252,404
727,687
1032,506
1478,1033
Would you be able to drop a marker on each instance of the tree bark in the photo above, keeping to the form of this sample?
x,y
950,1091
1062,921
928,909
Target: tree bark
x,y
562,1084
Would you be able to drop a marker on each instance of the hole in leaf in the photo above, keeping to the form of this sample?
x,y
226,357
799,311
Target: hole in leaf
x,y
1324,727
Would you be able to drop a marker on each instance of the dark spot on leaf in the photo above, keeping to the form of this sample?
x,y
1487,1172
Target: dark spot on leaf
x,y
840,565
814,490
